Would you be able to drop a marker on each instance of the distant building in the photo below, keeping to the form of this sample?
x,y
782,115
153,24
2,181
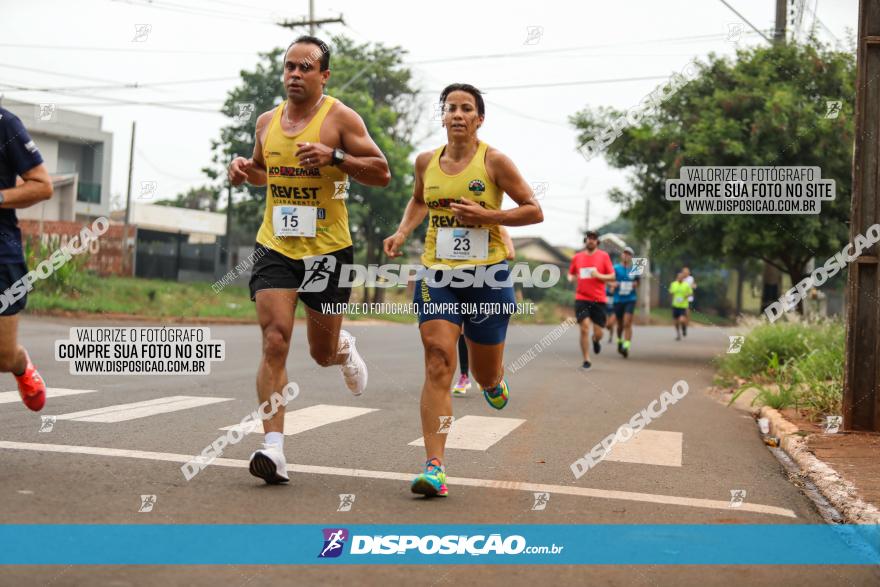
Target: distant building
x,y
177,243
613,244
77,154
534,248
198,226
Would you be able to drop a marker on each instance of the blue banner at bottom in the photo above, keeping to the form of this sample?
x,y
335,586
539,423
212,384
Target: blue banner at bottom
x,y
165,544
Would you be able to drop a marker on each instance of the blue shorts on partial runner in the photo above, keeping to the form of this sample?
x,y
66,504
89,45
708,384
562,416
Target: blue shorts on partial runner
x,y
621,308
485,311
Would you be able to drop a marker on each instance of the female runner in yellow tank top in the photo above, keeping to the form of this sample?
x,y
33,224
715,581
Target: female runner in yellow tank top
x,y
460,187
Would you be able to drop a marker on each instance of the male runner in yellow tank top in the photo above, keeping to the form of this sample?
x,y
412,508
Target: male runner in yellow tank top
x,y
460,187
304,152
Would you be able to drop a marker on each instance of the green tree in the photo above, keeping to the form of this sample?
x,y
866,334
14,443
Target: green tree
x,y
766,107
371,79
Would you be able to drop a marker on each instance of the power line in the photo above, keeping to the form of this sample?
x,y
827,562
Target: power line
x,y
119,49
136,103
134,85
745,20
539,52
575,83
526,116
837,42
536,53
183,9
161,171
116,101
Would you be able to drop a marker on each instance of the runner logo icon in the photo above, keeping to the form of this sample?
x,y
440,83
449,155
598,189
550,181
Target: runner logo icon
x,y
334,540
318,270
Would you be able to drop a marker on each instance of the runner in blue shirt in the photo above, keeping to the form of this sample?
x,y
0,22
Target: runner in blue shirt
x,y
19,158
625,296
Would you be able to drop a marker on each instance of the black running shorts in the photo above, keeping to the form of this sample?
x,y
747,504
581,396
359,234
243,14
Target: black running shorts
x,y
594,311
316,279
11,273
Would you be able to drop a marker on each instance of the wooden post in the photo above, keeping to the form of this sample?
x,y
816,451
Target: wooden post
x,y
861,398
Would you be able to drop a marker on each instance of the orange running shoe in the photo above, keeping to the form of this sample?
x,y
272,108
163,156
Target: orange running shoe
x,y
31,387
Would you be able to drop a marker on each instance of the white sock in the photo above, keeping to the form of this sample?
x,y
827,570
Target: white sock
x,y
275,438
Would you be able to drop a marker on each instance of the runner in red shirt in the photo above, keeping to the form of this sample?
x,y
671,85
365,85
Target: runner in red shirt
x,y
591,268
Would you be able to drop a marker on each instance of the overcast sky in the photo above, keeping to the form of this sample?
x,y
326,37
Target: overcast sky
x,y
205,44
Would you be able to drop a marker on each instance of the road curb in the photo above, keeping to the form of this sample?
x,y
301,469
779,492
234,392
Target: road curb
x,y
842,494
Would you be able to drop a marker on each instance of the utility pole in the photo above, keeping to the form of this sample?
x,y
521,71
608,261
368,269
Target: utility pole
x,y
311,22
130,169
588,216
781,17
861,398
125,247
646,289
228,221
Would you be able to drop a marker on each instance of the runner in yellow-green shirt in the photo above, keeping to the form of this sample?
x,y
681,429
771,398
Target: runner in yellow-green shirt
x,y
680,291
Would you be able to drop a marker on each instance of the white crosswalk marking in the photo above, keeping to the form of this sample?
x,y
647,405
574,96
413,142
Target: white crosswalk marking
x,y
311,417
8,397
135,410
649,447
476,432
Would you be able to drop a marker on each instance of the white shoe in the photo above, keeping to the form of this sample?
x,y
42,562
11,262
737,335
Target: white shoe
x,y
354,370
269,465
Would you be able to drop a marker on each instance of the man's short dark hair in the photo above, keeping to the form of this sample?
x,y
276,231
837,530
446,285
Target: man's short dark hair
x,y
322,46
591,234
477,94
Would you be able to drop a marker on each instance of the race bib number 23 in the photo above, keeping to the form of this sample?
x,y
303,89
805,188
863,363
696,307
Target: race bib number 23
x,y
463,243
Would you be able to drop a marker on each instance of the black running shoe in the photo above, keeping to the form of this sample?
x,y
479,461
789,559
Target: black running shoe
x,y
586,365
597,346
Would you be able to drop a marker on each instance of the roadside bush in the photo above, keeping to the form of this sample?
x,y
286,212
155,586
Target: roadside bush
x,y
63,279
804,360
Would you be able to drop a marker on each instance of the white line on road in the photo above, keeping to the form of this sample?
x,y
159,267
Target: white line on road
x,y
476,432
8,397
308,418
132,411
367,474
649,447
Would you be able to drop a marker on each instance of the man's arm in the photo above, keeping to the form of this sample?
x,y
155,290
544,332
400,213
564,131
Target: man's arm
x,y
363,162
606,277
37,187
252,170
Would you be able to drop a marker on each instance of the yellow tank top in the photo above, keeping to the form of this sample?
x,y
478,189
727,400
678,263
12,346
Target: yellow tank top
x,y
288,184
442,189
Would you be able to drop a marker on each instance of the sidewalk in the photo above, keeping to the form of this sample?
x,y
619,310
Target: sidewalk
x,y
844,466
854,456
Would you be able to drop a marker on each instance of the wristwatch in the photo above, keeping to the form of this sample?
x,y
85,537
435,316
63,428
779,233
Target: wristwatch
x,y
2,198
338,157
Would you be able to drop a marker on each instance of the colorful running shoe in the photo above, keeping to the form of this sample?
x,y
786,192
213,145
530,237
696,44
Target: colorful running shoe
x,y
31,387
462,385
432,482
625,350
498,395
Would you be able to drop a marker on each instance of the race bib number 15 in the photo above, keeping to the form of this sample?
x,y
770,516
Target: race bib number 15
x,y
294,220
463,243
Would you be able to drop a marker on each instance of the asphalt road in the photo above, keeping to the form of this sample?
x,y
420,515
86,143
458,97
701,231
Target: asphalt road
x,y
699,452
